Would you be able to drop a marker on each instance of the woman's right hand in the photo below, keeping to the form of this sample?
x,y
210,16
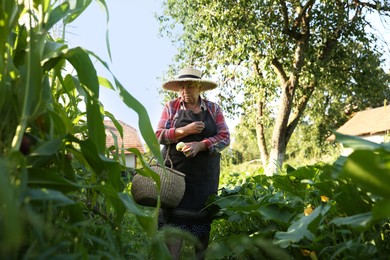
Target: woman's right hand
x,y
190,129
195,127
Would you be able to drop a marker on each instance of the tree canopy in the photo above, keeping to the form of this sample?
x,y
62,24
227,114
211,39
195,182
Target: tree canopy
x,y
289,60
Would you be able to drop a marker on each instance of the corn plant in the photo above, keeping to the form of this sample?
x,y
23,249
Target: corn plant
x,y
61,190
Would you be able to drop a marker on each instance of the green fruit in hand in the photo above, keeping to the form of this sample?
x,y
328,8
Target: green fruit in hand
x,y
180,146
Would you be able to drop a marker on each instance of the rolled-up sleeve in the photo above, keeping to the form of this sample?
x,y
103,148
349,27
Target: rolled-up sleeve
x,y
221,140
165,131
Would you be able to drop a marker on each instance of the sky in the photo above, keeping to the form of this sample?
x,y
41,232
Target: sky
x,y
139,55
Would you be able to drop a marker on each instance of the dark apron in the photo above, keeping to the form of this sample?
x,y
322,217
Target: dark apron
x,y
202,171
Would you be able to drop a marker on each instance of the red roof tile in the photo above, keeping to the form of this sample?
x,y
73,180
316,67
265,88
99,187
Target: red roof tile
x,y
130,136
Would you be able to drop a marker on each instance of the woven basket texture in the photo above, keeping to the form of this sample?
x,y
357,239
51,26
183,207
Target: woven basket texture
x,y
144,190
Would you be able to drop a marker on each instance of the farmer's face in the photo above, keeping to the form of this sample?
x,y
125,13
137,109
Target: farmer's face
x,y
190,92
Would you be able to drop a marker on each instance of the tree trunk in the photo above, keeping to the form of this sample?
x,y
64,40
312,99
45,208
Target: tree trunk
x,y
278,141
260,135
261,143
281,135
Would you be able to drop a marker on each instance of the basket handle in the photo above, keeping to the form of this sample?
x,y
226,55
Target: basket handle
x,y
166,158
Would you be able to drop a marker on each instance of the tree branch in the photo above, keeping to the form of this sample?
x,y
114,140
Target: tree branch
x,y
300,108
284,10
278,68
302,13
299,21
260,133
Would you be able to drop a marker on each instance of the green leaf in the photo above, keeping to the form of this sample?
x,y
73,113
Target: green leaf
x,y
75,212
77,8
146,170
87,75
381,209
350,200
281,215
305,172
50,179
290,185
358,143
369,170
57,14
45,152
105,7
106,83
147,219
31,87
43,195
90,154
53,54
11,223
48,148
132,206
302,228
355,221
144,124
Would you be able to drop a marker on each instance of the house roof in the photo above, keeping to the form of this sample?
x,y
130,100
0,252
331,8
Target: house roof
x,y
367,122
130,136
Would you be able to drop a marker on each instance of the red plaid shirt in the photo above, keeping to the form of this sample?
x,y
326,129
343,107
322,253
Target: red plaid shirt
x,y
166,130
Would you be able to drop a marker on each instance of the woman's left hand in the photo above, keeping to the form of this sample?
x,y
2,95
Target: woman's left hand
x,y
192,149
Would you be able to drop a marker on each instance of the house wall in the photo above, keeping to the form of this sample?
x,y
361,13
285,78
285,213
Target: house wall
x,y
375,138
130,160
378,138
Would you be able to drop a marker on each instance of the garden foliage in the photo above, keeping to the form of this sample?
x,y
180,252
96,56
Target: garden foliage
x,y
338,211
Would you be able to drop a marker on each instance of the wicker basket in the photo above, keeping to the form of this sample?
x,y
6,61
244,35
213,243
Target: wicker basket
x,y
173,184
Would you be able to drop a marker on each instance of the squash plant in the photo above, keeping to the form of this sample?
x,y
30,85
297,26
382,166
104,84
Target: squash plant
x,y
61,189
338,211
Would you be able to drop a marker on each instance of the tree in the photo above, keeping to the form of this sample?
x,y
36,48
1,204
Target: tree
x,y
282,57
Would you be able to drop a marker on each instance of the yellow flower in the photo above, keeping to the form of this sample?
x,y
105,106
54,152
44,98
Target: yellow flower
x,y
308,210
308,253
324,199
305,252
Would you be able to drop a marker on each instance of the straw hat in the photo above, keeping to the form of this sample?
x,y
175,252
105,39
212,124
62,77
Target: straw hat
x,y
189,74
